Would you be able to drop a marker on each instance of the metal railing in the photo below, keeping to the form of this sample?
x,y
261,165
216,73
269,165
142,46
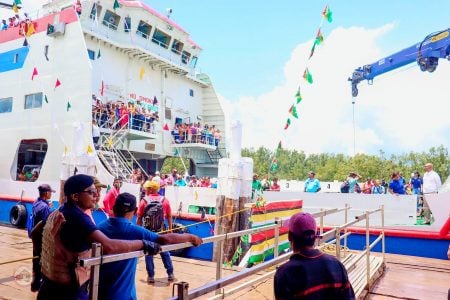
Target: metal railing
x,y
183,291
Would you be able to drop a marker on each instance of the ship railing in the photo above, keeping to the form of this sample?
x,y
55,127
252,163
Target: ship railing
x,y
197,138
183,291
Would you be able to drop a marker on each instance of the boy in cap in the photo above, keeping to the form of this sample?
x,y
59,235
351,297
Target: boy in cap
x,y
117,280
40,211
310,273
68,235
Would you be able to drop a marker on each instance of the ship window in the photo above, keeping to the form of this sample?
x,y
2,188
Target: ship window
x,y
33,101
6,105
16,58
143,29
191,92
177,46
185,56
29,159
127,24
161,38
111,20
91,54
95,11
193,62
168,113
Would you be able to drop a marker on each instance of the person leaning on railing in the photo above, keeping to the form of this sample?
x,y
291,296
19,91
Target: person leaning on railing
x,y
68,236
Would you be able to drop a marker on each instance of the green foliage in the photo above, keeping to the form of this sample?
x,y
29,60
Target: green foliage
x,y
175,162
294,165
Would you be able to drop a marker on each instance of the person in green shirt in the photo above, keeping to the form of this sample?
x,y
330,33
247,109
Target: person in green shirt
x,y
256,185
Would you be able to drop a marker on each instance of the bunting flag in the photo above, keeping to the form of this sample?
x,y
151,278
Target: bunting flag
x,y
17,2
141,73
327,14
274,166
102,89
293,111
155,100
279,146
319,38
108,187
31,29
69,106
25,43
298,96
116,4
288,122
166,127
307,76
89,149
312,50
99,54
175,153
35,72
15,8
110,142
66,150
57,83
45,99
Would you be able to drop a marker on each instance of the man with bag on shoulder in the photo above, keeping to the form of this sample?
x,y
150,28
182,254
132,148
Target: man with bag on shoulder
x,y
68,235
39,214
152,213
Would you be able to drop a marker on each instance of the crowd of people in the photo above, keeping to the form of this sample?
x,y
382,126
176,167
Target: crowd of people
x,y
184,133
22,22
115,115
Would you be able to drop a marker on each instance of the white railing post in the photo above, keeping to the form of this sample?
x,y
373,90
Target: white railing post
x,y
219,263
367,251
321,221
383,245
347,207
276,237
338,243
95,272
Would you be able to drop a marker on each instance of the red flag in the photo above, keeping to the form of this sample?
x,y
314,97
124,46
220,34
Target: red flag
x,y
102,89
35,72
166,127
58,83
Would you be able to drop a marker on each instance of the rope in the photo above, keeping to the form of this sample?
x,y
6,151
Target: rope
x,y
207,220
17,260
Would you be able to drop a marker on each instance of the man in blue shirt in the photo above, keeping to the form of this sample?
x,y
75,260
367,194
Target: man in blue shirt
x,y
312,185
396,186
117,279
40,211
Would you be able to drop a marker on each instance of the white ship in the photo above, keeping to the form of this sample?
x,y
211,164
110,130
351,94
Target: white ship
x,y
65,61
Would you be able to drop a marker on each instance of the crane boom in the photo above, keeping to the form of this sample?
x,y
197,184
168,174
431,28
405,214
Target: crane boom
x,y
426,53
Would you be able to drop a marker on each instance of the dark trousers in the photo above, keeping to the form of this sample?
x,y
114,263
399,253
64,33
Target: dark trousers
x,y
37,274
51,290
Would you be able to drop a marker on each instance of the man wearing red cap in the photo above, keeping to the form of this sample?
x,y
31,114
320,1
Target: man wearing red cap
x,y
310,273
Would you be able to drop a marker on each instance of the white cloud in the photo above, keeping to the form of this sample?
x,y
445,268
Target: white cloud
x,y
404,110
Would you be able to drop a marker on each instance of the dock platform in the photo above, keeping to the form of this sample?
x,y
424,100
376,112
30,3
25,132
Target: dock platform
x,y
401,277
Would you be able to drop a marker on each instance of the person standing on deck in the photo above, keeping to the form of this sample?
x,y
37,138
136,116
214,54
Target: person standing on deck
x,y
117,279
41,211
110,198
396,186
310,273
312,184
352,180
367,186
154,213
431,184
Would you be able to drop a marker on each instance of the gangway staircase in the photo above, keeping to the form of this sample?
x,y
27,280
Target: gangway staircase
x,y
214,155
114,154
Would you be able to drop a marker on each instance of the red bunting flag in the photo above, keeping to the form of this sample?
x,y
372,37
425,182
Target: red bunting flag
x,y
58,83
166,127
102,89
35,72
288,122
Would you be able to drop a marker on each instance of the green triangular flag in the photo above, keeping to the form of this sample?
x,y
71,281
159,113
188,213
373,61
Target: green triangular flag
x,y
69,106
298,96
319,38
307,76
312,50
99,54
293,111
328,14
45,99
108,187
288,122
279,146
116,4
17,2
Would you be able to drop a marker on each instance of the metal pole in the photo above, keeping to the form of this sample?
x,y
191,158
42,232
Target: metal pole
x,y
95,272
367,251
219,262
321,221
383,244
182,290
276,238
338,244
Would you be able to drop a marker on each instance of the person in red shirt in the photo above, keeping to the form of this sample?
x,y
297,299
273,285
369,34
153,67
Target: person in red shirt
x,y
110,198
275,186
151,194
367,186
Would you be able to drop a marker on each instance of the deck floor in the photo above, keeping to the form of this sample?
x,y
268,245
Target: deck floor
x,y
404,277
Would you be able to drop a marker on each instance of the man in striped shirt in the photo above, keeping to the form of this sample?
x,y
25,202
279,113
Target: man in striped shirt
x,y
310,273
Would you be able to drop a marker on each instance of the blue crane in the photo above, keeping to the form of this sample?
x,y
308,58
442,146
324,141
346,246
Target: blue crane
x,y
426,53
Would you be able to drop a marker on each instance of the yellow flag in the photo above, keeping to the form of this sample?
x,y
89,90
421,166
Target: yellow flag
x,y
141,73
31,29
15,8
196,195
89,149
110,142
65,150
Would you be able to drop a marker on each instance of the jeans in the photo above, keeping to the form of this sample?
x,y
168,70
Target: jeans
x,y
150,266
